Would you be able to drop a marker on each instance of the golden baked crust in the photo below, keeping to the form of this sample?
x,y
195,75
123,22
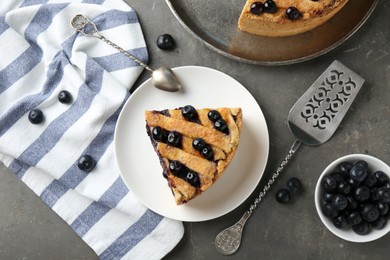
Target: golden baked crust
x,y
205,170
313,14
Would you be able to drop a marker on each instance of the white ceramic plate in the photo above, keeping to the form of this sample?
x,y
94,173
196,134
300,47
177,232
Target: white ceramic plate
x,y
140,167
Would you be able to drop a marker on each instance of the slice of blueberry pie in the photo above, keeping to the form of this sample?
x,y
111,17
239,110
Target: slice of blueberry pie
x,y
286,17
194,146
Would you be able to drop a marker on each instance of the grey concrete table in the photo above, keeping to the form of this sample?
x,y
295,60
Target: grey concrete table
x,y
29,230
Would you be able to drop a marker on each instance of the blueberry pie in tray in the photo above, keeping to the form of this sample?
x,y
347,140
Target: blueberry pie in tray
x,y
286,17
194,146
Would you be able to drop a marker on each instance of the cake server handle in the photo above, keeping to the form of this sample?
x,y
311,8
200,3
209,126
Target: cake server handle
x,y
228,240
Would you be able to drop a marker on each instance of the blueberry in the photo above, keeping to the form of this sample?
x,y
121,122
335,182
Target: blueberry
x,y
65,97
174,139
362,163
36,116
165,42
374,194
294,185
338,177
256,8
293,13
358,173
362,193
370,213
189,112
384,195
340,222
159,134
352,203
339,202
86,163
221,126
175,167
283,196
379,224
344,167
327,196
192,178
344,188
270,6
381,177
362,228
213,115
329,184
198,144
328,210
207,152
354,218
383,209
370,181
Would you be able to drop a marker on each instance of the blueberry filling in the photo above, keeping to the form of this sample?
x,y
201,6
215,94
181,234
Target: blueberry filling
x,y
183,172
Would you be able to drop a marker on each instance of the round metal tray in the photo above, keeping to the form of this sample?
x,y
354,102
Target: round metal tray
x,y
215,24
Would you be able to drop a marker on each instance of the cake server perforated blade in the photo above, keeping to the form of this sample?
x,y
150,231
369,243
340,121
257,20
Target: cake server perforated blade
x,y
313,120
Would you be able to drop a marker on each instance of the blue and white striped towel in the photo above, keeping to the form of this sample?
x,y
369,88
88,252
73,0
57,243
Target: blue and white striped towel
x,y
40,55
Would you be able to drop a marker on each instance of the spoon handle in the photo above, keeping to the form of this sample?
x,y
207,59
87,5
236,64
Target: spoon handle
x,y
88,28
228,240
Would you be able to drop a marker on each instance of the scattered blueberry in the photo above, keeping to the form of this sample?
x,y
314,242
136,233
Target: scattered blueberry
x,y
36,116
65,97
165,42
283,196
294,185
86,163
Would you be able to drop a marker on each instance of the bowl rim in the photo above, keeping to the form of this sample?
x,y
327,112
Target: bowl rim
x,y
350,235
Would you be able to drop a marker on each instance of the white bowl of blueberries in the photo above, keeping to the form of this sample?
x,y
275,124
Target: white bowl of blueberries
x,y
352,198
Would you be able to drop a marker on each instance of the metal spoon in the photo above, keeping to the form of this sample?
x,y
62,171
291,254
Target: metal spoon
x,y
313,120
162,78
